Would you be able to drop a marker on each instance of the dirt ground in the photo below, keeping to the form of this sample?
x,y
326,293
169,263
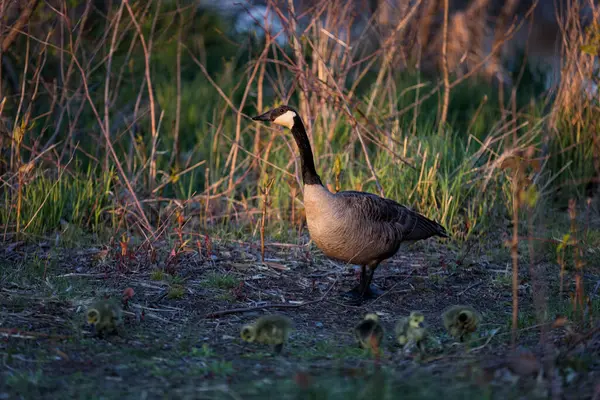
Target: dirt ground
x,y
172,347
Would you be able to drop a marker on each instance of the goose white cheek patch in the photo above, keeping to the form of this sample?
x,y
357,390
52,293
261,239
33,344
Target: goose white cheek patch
x,y
286,119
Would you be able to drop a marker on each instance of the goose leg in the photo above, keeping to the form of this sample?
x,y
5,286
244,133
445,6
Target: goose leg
x,y
370,291
364,290
356,292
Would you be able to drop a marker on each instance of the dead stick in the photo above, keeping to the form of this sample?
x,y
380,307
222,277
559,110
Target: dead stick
x,y
470,287
270,305
20,334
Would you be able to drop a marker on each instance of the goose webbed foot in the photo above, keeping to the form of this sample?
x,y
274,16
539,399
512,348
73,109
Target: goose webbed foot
x,y
278,348
356,294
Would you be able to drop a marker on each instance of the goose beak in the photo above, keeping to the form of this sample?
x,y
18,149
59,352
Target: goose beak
x,y
264,117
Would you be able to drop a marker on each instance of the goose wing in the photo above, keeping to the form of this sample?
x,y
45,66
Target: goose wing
x,y
408,223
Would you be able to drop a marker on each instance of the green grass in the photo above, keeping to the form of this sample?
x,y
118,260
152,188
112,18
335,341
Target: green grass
x,y
65,203
175,291
217,280
157,275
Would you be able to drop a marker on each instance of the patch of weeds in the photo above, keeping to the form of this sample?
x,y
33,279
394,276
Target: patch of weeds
x,y
162,372
219,368
176,292
526,319
60,287
565,308
225,296
220,281
157,275
204,351
502,280
592,238
439,279
26,383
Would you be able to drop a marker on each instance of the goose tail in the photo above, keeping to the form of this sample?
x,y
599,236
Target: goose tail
x,y
426,228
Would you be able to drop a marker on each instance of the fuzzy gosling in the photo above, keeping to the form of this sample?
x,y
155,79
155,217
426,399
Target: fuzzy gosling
x,y
412,330
369,332
269,329
105,316
460,321
350,226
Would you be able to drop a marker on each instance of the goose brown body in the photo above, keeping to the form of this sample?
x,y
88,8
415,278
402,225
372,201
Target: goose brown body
x,y
361,228
350,226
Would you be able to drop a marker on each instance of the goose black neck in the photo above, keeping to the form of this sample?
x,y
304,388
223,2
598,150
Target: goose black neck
x,y
309,173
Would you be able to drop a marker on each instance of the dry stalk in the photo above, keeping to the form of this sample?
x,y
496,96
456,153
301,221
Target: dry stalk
x,y
539,290
507,11
64,102
259,109
514,252
389,51
238,122
339,93
337,170
207,198
263,220
108,72
19,24
425,23
175,154
302,93
153,130
579,290
446,100
106,134
476,114
507,36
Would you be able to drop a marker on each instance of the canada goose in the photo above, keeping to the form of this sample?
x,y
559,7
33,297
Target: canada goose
x,y
268,329
369,333
460,321
411,329
105,316
350,226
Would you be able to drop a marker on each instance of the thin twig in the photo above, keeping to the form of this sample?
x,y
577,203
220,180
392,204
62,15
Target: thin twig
x,y
483,345
470,287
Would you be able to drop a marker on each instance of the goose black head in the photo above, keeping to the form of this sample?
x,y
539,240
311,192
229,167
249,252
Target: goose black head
x,y
282,115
